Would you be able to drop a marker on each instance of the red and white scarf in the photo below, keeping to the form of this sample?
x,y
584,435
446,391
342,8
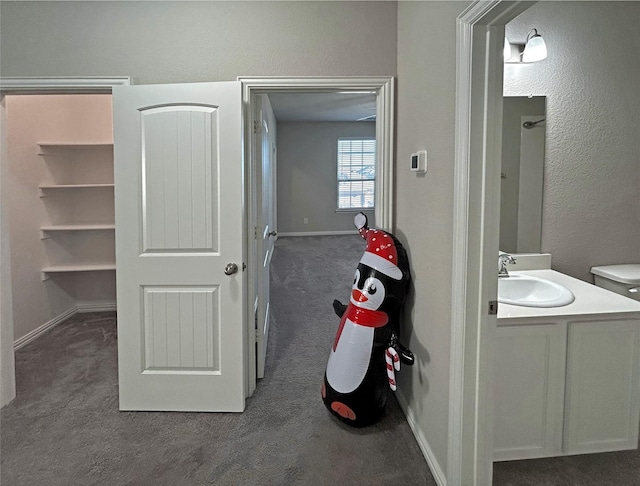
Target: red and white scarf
x,y
361,317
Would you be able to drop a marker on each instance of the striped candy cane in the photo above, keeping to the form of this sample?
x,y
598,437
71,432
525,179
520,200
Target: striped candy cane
x,y
393,361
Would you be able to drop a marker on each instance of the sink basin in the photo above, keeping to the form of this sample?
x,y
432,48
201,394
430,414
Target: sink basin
x,y
529,291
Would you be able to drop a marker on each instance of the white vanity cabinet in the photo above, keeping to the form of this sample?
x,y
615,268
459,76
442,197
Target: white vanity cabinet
x,y
602,387
529,363
566,385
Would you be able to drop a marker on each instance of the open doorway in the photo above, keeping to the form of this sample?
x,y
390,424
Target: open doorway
x,y
60,204
317,132
309,116
323,175
57,162
479,71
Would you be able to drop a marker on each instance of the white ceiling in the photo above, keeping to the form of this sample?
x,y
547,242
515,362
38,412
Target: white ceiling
x,y
328,106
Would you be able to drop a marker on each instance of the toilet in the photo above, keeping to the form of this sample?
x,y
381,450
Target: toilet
x,y
621,279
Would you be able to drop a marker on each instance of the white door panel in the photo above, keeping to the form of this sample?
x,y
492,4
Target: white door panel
x,y
265,150
179,222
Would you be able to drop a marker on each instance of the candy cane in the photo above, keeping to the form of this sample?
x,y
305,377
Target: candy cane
x,y
393,361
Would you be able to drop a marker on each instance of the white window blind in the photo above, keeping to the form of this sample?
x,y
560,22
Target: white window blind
x,y
356,173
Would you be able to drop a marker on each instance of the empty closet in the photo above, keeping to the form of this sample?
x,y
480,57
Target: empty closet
x,y
60,197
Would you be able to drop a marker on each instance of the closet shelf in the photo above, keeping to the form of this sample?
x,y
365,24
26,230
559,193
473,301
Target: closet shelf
x,y
75,144
86,267
74,227
72,186
44,146
81,150
45,187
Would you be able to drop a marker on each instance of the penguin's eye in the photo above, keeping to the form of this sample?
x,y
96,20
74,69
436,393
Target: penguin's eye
x,y
373,286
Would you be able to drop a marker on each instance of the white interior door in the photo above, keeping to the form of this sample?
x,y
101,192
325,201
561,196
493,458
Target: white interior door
x,y
179,233
265,164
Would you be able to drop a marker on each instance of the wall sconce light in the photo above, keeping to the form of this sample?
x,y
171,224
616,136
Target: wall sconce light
x,y
507,50
533,50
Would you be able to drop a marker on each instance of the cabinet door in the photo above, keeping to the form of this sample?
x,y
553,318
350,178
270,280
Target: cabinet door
x,y
528,391
602,402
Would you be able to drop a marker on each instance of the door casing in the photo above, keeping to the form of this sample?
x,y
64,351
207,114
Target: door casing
x,y
384,87
40,85
476,223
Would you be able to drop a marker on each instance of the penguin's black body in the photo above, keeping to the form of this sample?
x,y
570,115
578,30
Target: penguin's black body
x,y
356,381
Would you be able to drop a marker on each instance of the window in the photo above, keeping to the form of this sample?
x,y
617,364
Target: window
x,y
356,173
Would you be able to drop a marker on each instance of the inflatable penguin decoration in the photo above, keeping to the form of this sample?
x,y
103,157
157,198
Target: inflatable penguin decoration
x,y
366,352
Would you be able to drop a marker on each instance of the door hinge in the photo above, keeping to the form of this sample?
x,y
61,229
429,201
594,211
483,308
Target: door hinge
x,y
493,307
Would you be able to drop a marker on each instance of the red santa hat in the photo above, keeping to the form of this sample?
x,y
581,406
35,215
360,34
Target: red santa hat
x,y
380,254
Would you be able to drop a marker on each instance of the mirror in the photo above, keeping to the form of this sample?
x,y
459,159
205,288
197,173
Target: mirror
x,y
523,147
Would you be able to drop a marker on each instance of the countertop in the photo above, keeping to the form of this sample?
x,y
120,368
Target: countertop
x,y
590,300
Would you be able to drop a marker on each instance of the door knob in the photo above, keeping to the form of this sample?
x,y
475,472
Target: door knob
x,y
273,233
230,269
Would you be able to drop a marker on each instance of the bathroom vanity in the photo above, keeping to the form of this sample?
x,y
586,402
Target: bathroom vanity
x,y
567,379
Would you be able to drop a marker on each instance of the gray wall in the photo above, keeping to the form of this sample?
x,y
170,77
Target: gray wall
x,y
307,186
424,207
591,213
164,42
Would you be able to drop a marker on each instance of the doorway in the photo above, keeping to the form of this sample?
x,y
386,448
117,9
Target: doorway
x,y
479,80
101,87
305,99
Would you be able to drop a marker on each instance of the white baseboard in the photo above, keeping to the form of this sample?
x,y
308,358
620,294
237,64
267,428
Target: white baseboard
x,y
47,326
96,307
436,470
319,233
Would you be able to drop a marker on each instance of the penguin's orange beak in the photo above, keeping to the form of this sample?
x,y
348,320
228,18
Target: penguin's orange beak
x,y
358,296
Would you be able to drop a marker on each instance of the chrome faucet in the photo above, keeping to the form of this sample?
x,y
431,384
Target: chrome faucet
x,y
503,259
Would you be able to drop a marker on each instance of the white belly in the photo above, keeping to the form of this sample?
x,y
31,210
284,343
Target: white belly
x,y
348,364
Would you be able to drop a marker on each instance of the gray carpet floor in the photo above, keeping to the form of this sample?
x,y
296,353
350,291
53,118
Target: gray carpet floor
x,y
64,427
